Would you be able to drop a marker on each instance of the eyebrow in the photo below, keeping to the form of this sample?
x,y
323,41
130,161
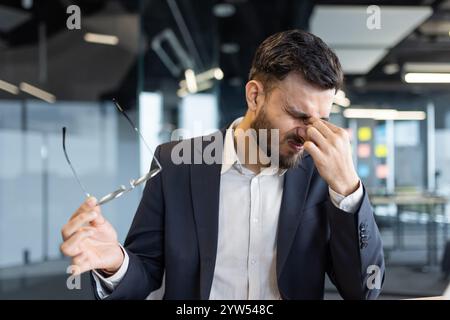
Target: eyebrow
x,y
300,115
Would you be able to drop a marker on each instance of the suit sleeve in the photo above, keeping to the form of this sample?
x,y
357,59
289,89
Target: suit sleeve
x,y
356,259
144,245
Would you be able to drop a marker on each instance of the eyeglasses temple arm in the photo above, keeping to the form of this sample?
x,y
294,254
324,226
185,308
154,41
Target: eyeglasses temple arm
x,y
138,132
70,164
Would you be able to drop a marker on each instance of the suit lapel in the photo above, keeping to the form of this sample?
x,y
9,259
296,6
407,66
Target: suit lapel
x,y
295,190
205,188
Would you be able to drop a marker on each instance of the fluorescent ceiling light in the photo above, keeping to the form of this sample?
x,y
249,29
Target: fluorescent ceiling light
x,y
384,114
417,77
335,108
391,68
183,91
215,73
218,74
101,39
200,82
368,113
341,99
344,103
8,87
205,85
339,94
426,67
410,115
38,93
191,81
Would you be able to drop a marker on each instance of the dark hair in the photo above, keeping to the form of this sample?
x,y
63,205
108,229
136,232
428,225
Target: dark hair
x,y
296,51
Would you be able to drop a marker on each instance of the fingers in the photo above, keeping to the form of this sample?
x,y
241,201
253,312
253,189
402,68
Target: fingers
x,y
99,219
331,126
76,223
313,150
90,204
71,247
315,136
333,134
323,129
80,264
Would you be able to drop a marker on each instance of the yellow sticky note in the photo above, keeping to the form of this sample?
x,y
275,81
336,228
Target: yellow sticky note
x,y
381,151
364,134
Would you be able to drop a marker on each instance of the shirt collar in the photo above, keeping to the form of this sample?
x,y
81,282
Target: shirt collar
x,y
230,158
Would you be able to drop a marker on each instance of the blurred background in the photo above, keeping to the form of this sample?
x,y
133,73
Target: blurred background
x,y
183,64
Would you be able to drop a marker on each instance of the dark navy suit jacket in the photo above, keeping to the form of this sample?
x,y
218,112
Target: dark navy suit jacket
x,y
175,231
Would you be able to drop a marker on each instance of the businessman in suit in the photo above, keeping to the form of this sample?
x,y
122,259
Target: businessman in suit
x,y
241,229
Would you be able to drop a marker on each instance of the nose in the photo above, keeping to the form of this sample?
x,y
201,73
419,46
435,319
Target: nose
x,y
301,132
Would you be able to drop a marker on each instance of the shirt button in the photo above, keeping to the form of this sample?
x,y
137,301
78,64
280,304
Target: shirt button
x,y
253,261
255,220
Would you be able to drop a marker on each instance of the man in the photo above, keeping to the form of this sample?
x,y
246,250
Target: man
x,y
241,229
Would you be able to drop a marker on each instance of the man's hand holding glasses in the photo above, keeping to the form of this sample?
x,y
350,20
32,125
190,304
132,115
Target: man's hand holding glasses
x,y
89,239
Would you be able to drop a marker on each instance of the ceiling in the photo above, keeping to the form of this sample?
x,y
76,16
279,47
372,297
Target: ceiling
x,y
412,31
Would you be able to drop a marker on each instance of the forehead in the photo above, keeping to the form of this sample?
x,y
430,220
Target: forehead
x,y
294,91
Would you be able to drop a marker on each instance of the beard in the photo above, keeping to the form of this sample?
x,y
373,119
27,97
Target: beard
x,y
291,160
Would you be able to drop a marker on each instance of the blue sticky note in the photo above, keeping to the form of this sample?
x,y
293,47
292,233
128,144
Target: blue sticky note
x,y
363,170
380,133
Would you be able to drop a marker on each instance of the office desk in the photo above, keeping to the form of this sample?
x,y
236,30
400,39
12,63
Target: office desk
x,y
430,204
430,298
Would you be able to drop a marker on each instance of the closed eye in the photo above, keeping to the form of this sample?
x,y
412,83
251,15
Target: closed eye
x,y
298,115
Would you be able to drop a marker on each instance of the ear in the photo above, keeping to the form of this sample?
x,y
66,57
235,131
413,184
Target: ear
x,y
254,95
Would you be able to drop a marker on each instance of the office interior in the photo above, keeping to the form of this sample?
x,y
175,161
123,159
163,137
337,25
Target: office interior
x,y
395,105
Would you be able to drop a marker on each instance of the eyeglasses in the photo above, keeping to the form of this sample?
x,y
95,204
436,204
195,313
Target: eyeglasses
x,y
122,189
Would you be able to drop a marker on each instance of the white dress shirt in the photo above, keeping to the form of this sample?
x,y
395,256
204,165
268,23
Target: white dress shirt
x,y
249,208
